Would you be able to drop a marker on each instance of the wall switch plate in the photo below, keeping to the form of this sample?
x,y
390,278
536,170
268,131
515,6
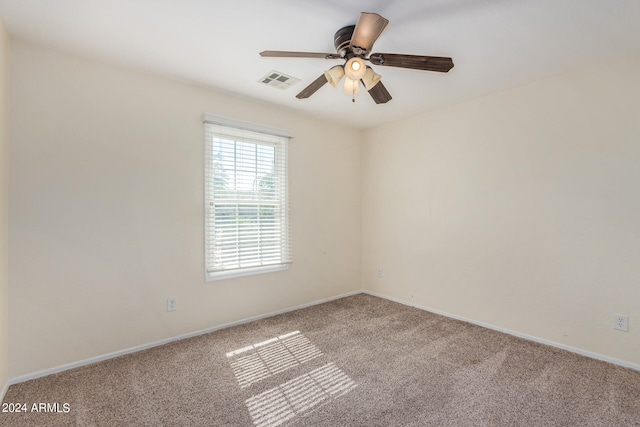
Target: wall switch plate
x,y
621,322
172,304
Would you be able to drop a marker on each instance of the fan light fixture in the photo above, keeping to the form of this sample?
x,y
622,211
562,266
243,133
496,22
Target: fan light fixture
x,y
334,75
354,45
370,78
351,87
355,68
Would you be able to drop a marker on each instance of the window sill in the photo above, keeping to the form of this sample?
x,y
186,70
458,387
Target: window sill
x,y
223,275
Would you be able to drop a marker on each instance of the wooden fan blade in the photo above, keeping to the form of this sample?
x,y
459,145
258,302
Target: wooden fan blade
x,y
285,54
367,31
415,62
380,94
313,87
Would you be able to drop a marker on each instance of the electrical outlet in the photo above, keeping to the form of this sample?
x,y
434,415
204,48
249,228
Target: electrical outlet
x,y
172,304
621,322
380,273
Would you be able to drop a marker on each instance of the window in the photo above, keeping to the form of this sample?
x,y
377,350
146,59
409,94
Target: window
x,y
246,209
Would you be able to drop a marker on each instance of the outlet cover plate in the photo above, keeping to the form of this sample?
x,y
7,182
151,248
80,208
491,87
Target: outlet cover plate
x,y
621,322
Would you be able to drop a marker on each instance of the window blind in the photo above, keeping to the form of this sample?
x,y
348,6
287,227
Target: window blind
x,y
246,200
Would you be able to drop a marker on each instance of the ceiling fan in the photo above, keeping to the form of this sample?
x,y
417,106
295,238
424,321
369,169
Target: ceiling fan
x,y
353,45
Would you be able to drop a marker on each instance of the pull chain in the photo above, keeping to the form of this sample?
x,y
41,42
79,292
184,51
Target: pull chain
x,y
353,91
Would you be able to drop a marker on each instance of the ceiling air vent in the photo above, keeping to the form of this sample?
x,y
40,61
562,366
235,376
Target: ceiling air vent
x,y
279,80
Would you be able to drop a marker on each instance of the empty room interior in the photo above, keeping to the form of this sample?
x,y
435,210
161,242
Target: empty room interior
x,y
246,213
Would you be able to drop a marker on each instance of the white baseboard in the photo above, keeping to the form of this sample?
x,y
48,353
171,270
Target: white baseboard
x,y
103,357
514,333
112,355
3,393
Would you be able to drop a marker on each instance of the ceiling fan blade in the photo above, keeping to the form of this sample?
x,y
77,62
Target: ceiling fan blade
x,y
415,62
313,87
285,54
380,94
367,31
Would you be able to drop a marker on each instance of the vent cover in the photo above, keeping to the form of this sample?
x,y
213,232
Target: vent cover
x,y
278,80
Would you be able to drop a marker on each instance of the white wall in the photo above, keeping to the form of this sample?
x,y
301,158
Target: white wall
x,y
4,216
520,210
106,207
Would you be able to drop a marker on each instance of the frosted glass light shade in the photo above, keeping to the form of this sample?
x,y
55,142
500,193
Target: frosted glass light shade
x,y
355,68
371,78
351,87
334,75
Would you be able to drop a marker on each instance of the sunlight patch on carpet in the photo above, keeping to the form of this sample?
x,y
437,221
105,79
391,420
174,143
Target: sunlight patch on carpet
x,y
299,395
256,362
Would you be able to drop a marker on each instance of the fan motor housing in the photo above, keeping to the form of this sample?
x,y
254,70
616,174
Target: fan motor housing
x,y
342,38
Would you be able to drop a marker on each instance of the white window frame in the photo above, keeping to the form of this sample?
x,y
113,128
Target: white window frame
x,y
280,142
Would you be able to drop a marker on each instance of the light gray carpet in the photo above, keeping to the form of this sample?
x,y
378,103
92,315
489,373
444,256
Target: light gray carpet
x,y
357,361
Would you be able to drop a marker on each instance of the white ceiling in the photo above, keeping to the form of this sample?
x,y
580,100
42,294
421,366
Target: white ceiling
x,y
495,44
